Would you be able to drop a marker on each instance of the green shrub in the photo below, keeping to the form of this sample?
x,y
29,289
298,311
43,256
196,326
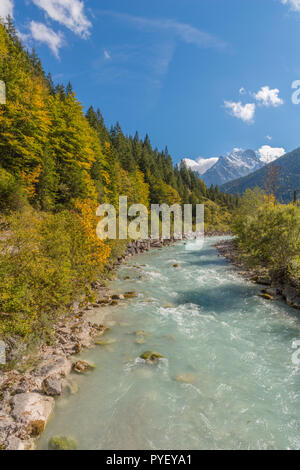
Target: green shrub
x,y
11,192
46,263
269,234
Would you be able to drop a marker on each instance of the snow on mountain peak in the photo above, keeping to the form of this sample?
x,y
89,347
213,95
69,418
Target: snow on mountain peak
x,y
239,163
201,165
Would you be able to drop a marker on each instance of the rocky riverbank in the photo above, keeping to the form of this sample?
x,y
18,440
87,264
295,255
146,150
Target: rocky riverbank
x,y
27,393
273,290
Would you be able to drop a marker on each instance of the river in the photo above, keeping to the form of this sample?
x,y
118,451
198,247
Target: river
x,y
234,348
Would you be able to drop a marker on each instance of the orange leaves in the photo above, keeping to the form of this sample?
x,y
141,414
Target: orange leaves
x,y
30,180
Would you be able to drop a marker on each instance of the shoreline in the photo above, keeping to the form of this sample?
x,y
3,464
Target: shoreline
x,y
27,397
273,291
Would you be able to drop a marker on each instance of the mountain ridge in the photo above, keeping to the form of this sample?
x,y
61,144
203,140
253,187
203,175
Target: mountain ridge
x,y
288,179
220,170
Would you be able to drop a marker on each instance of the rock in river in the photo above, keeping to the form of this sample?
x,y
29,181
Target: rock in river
x,y
130,295
52,387
81,367
62,443
151,357
106,342
266,296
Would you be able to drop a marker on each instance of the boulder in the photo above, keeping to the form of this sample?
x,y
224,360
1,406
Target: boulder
x,y
117,297
151,357
52,387
81,367
291,296
33,410
57,366
130,295
62,443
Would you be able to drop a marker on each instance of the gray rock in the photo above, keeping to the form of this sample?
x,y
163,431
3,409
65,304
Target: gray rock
x,y
57,366
292,296
52,387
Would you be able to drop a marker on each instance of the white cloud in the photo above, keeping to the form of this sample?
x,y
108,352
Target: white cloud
x,y
107,55
293,4
40,32
25,38
70,13
6,8
187,33
244,112
268,154
268,97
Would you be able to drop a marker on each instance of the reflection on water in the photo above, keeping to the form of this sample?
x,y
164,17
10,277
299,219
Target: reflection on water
x,y
227,380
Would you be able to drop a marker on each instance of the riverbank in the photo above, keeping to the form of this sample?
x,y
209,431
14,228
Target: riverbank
x,y
227,380
273,290
28,392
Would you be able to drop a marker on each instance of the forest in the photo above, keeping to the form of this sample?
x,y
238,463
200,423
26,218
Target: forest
x,y
57,164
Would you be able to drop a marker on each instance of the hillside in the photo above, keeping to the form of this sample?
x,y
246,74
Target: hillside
x,y
52,154
288,180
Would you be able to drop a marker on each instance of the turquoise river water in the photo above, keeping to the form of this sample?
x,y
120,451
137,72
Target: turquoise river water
x,y
211,325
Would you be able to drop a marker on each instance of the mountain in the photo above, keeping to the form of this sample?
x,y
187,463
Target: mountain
x,y
201,165
288,180
223,169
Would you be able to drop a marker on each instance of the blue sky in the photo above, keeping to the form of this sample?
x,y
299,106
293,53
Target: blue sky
x,y
201,76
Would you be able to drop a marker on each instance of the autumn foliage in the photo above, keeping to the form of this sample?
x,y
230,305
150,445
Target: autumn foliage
x,y
56,165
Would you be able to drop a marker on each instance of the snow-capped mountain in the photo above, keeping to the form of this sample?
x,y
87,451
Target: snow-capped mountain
x,y
239,163
218,171
201,165
288,180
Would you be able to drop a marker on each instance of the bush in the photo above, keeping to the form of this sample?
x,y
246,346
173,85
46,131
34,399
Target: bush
x,y
269,234
47,261
11,193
